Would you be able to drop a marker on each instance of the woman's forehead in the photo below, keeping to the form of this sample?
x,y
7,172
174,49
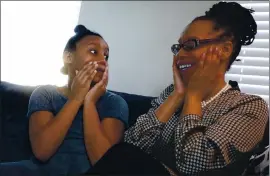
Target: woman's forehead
x,y
200,29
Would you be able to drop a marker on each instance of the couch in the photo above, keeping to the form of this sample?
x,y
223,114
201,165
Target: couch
x,y
14,140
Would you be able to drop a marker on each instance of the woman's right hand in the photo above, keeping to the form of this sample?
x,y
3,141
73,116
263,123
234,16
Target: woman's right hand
x,y
179,88
82,82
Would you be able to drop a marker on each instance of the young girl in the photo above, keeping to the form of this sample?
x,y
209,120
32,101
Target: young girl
x,y
71,127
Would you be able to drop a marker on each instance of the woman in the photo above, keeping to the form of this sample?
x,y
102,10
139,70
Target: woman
x,y
200,122
71,127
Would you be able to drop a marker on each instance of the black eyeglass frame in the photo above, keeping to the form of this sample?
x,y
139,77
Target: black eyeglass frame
x,y
176,47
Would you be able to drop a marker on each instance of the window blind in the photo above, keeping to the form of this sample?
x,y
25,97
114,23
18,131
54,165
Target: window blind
x,y
252,72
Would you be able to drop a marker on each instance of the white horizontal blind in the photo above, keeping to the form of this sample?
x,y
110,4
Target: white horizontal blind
x,y
252,72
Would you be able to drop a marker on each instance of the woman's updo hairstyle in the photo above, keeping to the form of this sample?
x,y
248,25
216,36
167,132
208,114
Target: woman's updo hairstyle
x,y
236,21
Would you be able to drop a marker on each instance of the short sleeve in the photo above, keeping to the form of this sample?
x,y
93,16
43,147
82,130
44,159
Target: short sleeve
x,y
113,106
40,100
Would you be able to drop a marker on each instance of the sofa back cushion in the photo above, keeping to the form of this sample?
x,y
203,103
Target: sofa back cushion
x,y
14,124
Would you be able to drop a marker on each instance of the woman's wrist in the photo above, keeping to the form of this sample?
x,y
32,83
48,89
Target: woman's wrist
x,y
192,104
177,98
194,96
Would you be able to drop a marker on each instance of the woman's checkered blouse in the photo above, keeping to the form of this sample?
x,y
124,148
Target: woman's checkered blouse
x,y
233,122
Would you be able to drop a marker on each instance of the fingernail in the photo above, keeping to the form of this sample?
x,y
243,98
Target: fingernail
x,y
216,48
76,71
95,62
90,63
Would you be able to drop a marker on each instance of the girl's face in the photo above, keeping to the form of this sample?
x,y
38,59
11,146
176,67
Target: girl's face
x,y
187,59
91,49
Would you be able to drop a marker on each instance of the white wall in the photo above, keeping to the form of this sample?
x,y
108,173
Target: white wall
x,y
140,35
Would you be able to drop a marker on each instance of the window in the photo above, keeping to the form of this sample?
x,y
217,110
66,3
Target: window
x,y
33,36
252,73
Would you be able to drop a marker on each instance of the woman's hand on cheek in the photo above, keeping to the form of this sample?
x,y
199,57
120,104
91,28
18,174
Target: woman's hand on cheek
x,y
98,89
179,88
203,79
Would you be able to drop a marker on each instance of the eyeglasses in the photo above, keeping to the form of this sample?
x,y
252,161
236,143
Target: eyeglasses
x,y
191,44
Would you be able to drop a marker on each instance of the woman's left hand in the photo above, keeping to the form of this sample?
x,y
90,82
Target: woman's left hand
x,y
98,89
203,80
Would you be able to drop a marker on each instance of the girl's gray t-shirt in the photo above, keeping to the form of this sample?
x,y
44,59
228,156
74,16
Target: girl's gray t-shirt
x,y
71,157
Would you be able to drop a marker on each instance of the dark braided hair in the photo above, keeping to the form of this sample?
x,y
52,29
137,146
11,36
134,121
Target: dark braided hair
x,y
236,21
80,32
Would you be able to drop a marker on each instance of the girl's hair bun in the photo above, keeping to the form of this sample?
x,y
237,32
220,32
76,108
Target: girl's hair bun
x,y
79,29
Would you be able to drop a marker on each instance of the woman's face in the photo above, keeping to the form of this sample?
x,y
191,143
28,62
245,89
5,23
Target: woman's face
x,y
91,49
187,60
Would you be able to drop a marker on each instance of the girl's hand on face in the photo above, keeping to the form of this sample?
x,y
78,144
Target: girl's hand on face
x,y
82,81
179,88
99,88
203,80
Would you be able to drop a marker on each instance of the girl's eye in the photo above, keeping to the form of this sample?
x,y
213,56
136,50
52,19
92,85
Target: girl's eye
x,y
106,57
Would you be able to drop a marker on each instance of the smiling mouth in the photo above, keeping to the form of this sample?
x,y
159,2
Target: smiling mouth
x,y
184,66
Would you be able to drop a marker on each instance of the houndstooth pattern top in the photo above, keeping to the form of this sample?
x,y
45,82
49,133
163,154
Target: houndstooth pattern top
x,y
233,122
